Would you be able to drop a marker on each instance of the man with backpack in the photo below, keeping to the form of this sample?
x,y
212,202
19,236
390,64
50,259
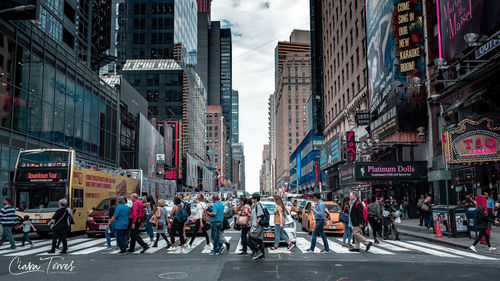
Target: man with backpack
x,y
356,220
374,217
421,212
259,220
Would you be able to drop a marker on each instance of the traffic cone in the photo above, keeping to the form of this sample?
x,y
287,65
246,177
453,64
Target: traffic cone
x,y
438,230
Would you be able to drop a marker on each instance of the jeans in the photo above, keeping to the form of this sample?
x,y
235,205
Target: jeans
x,y
244,239
203,231
405,213
216,226
278,233
149,227
108,234
26,238
347,234
120,239
319,230
7,234
428,220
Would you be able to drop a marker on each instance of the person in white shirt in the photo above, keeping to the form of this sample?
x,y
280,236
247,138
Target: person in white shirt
x,y
200,224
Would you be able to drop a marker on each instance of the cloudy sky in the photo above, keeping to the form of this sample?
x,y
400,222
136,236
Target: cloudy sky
x,y
257,26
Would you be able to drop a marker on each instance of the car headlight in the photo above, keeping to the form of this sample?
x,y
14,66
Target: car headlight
x,y
289,225
90,219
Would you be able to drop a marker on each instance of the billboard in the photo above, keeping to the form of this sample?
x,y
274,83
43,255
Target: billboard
x,y
459,17
395,55
330,153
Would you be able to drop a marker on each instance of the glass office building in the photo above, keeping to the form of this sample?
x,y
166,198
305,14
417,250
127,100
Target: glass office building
x,y
226,76
49,99
235,117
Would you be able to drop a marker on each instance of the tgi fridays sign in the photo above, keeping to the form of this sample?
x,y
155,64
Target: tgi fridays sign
x,y
473,141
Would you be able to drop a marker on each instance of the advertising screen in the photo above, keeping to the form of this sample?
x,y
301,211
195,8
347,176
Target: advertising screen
x,y
459,17
395,55
330,153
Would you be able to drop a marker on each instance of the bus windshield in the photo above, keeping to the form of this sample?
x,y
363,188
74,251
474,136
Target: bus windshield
x,y
43,197
43,159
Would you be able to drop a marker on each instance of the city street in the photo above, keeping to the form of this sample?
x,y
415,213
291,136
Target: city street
x,y
408,259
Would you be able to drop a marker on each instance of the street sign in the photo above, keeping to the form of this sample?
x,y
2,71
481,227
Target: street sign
x,y
363,117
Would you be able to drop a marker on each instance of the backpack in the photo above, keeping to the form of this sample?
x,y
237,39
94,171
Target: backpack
x,y
181,215
365,211
265,218
187,207
373,210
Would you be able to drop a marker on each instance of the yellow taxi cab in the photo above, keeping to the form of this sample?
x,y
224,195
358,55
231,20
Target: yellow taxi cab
x,y
332,224
295,207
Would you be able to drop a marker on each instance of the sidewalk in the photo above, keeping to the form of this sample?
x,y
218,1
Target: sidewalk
x,y
411,228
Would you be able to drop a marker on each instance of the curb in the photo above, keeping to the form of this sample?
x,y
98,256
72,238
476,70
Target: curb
x,y
432,239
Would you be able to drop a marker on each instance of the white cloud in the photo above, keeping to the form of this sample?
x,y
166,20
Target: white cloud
x,y
261,25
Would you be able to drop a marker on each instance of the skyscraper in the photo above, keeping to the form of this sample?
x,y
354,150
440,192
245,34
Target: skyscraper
x,y
235,126
226,80
293,88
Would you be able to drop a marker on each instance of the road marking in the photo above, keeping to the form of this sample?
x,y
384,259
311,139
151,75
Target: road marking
x,y
335,247
161,245
280,250
391,247
45,248
373,249
197,241
422,249
453,251
26,247
303,245
81,246
239,248
88,251
208,250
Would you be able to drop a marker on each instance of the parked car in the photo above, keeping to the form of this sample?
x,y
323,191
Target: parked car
x,y
289,226
332,224
301,206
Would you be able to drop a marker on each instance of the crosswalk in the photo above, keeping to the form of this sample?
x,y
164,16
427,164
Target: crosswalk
x,y
85,246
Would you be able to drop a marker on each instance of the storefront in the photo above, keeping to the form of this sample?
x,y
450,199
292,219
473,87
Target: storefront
x,y
472,153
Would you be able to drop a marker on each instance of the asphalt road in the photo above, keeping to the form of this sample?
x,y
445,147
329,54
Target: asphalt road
x,y
409,259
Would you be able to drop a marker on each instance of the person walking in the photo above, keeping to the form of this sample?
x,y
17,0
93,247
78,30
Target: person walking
x,y
482,222
111,226
404,208
216,214
279,222
256,229
149,205
356,221
8,220
120,221
161,223
243,220
136,217
374,217
60,228
201,222
27,226
347,229
426,207
319,229
179,217
421,213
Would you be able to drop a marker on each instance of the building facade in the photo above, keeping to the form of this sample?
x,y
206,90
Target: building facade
x,y
305,173
238,161
216,141
293,68
235,119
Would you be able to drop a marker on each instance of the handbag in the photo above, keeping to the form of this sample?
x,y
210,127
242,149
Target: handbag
x,y
236,225
205,217
425,207
241,220
225,224
53,225
344,218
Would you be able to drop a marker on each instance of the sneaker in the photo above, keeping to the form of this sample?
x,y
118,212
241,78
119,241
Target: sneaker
x,y
51,251
368,246
376,241
243,254
188,247
492,249
184,251
32,244
155,245
64,251
258,256
310,251
172,248
222,248
290,246
325,251
473,248
122,253
144,249
213,253
274,248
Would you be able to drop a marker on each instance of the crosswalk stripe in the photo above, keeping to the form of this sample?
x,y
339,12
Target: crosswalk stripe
x,y
197,241
161,245
81,246
280,250
239,248
423,249
373,249
45,248
26,247
88,251
207,250
303,245
335,247
391,247
453,251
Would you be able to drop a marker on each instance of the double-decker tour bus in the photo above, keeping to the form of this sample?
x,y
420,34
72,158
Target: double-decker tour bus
x,y
44,176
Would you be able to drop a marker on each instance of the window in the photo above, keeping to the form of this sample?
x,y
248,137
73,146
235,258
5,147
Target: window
x,y
77,198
